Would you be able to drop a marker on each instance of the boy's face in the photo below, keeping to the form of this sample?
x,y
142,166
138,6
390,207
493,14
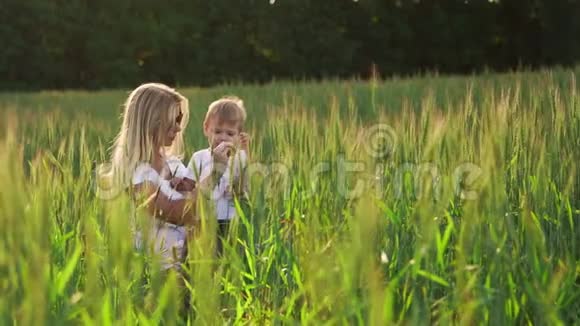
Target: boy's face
x,y
218,132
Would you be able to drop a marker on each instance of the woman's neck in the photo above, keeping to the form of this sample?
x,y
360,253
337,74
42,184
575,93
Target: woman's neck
x,y
158,161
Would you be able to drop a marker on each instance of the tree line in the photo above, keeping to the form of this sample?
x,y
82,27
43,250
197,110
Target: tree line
x,y
55,44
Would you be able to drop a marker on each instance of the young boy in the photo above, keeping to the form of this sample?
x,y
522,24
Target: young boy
x,y
223,124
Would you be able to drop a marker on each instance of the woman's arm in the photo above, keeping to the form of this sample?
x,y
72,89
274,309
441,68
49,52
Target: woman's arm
x,y
175,211
178,212
181,211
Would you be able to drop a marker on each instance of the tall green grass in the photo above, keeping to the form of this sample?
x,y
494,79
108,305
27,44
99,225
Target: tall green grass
x,y
462,207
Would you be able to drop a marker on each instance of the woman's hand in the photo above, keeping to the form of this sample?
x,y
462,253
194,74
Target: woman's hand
x,y
174,182
182,184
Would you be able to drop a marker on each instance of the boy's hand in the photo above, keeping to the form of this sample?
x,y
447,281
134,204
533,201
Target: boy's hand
x,y
244,141
222,152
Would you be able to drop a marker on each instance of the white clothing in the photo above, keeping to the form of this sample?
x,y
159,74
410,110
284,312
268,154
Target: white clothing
x,y
200,166
168,240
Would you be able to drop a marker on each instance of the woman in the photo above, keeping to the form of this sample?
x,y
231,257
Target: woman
x,y
150,137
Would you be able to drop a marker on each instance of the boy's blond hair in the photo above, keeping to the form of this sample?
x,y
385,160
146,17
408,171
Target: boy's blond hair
x,y
228,109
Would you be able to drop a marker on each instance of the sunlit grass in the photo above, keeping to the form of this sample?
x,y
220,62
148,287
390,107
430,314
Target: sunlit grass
x,y
468,214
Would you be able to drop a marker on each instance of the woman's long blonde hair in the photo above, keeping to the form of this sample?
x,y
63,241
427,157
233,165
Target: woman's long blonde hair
x,y
149,112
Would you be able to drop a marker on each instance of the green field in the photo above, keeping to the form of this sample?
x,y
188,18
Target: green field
x,y
433,200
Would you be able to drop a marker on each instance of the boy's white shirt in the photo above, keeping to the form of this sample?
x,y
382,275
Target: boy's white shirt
x,y
200,166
